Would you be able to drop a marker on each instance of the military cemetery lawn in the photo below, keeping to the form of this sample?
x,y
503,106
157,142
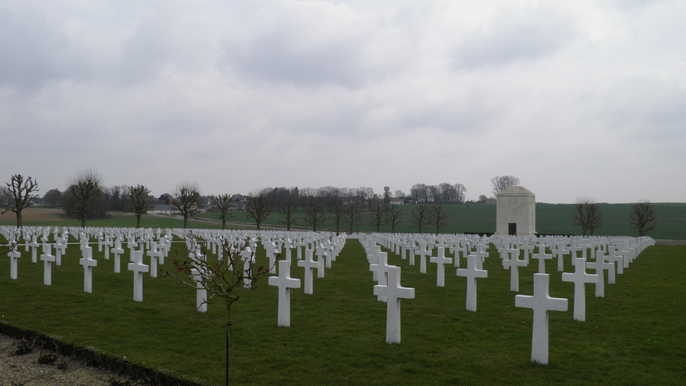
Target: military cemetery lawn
x,y
635,335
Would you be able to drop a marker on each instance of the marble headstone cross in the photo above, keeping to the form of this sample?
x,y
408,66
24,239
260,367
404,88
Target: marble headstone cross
x,y
87,262
285,283
14,256
48,260
540,303
138,269
308,264
440,262
472,272
391,293
541,256
579,278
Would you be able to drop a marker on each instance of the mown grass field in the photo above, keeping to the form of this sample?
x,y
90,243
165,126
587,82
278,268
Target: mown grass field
x,y
56,217
480,218
635,335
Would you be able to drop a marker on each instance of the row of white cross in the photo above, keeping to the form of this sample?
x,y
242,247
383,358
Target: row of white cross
x,y
605,251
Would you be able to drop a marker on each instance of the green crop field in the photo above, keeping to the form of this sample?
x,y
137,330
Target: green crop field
x,y
480,218
55,217
635,335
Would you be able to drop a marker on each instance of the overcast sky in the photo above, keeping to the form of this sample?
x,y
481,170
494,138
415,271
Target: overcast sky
x,y
580,99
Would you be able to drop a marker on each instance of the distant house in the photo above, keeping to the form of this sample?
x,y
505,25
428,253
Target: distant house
x,y
164,209
397,201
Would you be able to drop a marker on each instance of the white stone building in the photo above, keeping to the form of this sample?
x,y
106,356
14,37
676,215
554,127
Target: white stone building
x,y
516,212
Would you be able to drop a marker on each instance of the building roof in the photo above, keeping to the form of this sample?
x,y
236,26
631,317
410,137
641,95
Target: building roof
x,y
516,190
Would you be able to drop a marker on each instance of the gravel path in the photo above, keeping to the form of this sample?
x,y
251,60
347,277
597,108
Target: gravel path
x,y
25,369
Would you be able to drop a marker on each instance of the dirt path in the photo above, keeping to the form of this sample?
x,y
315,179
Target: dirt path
x,y
25,369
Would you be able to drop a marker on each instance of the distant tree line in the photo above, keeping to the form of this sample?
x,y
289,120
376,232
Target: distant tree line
x,y
343,209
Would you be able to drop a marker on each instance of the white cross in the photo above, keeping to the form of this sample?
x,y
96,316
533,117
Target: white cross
x,y
87,262
117,251
14,256
154,254
391,293
285,283
48,259
308,264
138,269
540,303
513,264
34,249
422,252
541,256
579,278
200,291
472,272
561,252
440,262
248,261
599,265
379,268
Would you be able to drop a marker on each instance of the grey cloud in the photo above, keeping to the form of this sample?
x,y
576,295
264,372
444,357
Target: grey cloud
x,y
33,50
515,35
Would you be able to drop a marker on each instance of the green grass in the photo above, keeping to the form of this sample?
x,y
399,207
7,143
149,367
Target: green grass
x,y
480,218
114,220
633,336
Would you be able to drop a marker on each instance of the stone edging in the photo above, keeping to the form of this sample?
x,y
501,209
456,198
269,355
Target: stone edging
x,y
95,359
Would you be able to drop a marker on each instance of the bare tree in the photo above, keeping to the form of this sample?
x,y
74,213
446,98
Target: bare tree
x,y
437,216
84,191
314,211
501,183
420,214
353,207
394,216
333,198
223,203
643,217
259,208
140,201
221,281
379,208
588,217
186,200
19,195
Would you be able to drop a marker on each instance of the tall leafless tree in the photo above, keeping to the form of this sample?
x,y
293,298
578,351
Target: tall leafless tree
x,y
313,206
353,208
140,201
84,191
420,214
643,217
379,209
19,194
186,200
333,203
501,183
588,217
394,216
259,208
222,202
438,216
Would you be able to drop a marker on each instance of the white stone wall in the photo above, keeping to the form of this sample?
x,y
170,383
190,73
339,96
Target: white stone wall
x,y
516,206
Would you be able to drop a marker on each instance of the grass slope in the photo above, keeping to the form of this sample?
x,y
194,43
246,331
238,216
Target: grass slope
x,y
41,216
480,218
633,336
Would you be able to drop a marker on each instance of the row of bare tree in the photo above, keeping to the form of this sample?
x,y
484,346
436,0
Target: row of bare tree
x,y
344,208
588,216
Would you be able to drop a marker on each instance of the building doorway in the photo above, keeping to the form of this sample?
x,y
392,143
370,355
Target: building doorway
x,y
512,229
